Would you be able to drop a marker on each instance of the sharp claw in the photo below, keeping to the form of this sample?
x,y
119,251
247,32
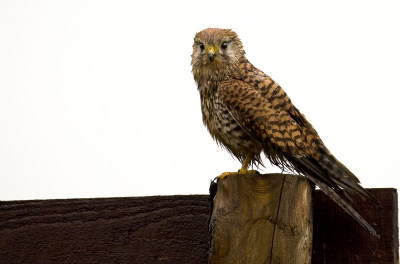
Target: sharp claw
x,y
223,175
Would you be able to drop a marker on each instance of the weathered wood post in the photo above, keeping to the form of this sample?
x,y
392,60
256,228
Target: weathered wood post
x,y
261,219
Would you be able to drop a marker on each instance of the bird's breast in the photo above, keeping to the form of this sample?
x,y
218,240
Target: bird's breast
x,y
224,128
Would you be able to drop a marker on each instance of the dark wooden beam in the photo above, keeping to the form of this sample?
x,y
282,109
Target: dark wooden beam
x,y
172,229
340,239
159,229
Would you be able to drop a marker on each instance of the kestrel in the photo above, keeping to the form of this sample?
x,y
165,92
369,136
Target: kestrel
x,y
248,113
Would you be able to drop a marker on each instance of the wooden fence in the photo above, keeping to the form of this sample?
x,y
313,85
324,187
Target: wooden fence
x,y
173,229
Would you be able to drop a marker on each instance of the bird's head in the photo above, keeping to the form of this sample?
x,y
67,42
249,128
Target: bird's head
x,y
216,48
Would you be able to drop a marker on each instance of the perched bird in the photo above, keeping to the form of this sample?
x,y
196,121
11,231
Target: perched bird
x,y
248,113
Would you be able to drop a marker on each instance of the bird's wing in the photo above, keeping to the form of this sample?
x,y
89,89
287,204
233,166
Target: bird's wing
x,y
272,119
262,120
290,143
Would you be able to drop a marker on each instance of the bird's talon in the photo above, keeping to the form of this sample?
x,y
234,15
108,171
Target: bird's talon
x,y
223,175
241,171
245,171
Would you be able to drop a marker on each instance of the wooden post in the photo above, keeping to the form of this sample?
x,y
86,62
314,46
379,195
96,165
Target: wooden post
x,y
261,219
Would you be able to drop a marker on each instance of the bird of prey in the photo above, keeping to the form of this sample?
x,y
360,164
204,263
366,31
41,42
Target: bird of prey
x,y
248,113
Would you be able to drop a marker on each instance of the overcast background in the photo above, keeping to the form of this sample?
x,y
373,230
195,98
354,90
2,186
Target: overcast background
x,y
97,98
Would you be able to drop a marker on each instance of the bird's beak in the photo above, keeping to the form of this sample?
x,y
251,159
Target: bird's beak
x,y
211,52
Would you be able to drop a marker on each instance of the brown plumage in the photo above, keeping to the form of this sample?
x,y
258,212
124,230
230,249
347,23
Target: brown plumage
x,y
248,113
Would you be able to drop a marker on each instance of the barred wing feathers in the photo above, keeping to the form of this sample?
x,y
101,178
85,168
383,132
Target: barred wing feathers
x,y
289,140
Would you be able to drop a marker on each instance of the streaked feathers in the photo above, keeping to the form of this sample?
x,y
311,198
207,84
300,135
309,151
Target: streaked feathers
x,y
248,113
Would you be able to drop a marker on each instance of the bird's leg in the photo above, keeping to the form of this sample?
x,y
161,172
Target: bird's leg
x,y
245,165
243,170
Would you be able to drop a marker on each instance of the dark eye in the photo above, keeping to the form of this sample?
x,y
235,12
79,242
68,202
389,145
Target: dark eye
x,y
201,45
224,45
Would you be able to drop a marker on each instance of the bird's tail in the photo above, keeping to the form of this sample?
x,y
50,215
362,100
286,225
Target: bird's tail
x,y
335,179
346,206
342,176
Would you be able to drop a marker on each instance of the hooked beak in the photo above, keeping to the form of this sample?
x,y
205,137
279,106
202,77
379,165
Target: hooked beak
x,y
211,52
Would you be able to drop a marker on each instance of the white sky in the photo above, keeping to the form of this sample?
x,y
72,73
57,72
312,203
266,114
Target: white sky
x,y
97,98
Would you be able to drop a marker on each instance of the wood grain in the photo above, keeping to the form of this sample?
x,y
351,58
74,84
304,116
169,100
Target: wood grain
x,y
339,239
159,229
262,219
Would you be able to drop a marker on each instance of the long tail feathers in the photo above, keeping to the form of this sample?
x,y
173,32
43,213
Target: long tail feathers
x,y
347,207
335,186
344,177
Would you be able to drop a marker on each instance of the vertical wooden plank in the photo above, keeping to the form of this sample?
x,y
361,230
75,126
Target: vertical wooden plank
x,y
262,219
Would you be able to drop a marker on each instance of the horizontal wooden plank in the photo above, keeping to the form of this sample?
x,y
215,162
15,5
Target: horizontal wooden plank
x,y
160,229
172,229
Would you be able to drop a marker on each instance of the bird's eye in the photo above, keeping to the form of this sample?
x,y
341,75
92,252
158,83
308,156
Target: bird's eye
x,y
224,45
201,45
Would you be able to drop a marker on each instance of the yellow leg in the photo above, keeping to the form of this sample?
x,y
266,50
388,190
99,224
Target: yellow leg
x,y
245,165
243,170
